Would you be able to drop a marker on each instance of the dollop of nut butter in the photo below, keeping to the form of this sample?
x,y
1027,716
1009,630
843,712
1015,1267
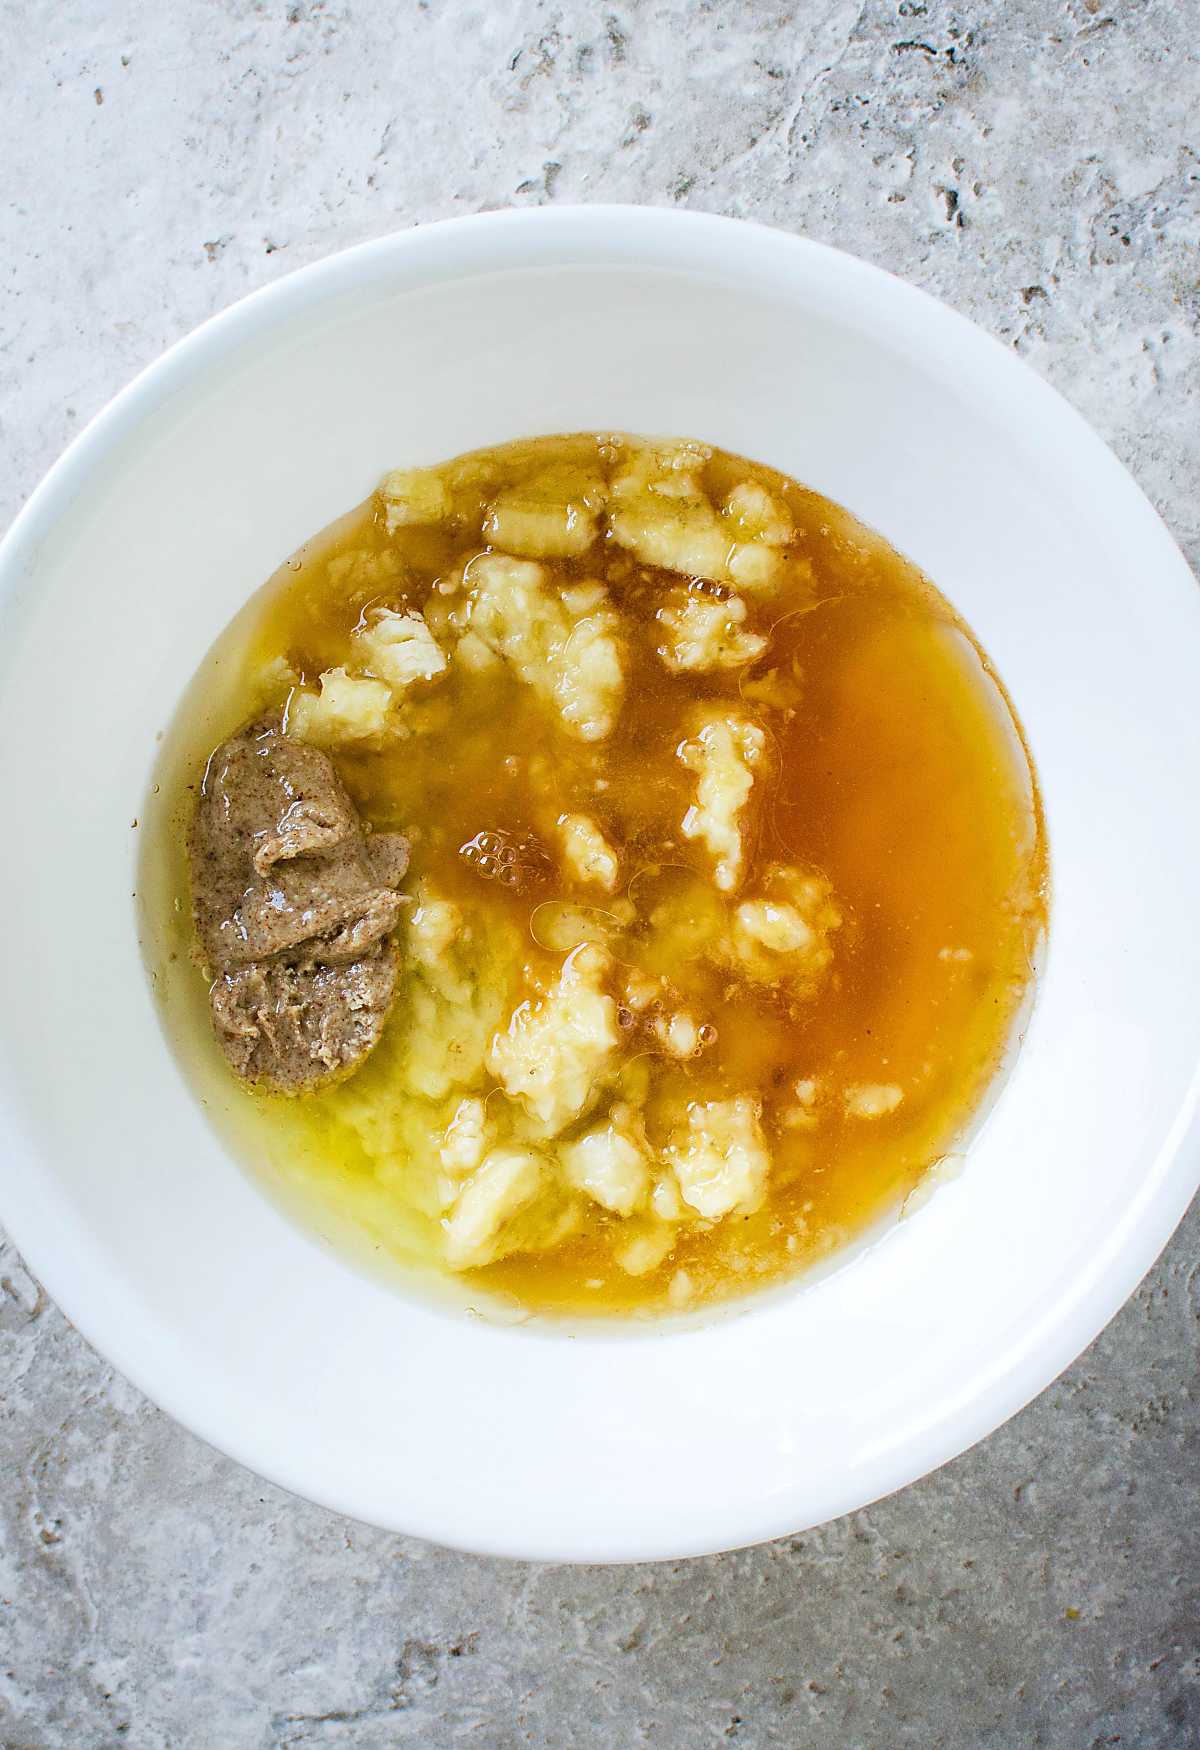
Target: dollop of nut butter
x,y
294,905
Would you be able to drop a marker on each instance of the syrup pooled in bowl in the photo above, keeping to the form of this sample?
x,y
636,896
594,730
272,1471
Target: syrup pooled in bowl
x,y
727,869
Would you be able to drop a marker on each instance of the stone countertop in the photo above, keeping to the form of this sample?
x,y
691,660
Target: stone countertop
x,y
1037,164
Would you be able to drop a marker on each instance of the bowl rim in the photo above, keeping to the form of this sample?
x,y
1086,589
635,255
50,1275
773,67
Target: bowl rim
x,y
615,235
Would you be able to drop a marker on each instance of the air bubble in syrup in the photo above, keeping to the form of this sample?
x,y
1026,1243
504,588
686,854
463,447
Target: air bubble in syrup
x,y
518,860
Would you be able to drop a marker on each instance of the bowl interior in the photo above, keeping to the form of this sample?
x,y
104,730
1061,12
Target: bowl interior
x,y
180,501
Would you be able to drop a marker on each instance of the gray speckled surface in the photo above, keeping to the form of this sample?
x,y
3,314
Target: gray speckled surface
x,y
1038,165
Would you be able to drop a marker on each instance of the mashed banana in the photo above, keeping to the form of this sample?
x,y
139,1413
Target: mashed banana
x,y
703,632
724,755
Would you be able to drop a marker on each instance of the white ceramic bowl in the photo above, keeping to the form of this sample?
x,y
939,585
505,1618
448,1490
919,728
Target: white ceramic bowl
x,y
181,498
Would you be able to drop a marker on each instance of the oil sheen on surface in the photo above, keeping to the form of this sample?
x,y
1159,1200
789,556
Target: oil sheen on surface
x,y
892,765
